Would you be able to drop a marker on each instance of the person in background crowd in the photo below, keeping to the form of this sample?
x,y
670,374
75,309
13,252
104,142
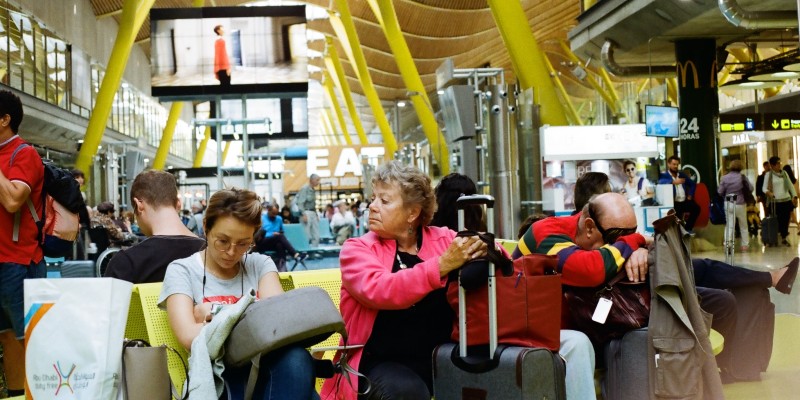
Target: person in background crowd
x,y
449,189
762,199
198,211
779,190
270,238
735,183
83,215
637,188
683,188
790,173
393,289
343,223
154,197
330,209
587,186
221,274
20,259
306,201
286,215
105,218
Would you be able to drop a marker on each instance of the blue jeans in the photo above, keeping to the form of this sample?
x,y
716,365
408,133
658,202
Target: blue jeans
x,y
283,374
577,350
12,276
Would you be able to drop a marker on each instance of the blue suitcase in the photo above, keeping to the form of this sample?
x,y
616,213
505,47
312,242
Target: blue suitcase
x,y
512,372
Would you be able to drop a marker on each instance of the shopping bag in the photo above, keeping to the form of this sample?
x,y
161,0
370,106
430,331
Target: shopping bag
x,y
74,330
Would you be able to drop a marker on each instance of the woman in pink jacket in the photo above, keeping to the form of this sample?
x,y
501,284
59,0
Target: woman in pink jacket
x,y
393,297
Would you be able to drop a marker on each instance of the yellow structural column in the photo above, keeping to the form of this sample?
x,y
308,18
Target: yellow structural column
x,y
527,58
327,82
166,137
387,18
328,120
334,63
201,149
346,32
134,13
573,114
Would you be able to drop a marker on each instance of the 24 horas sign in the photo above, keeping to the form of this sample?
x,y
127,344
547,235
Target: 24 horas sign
x,y
338,166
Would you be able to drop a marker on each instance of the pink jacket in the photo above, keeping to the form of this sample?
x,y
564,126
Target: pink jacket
x,y
368,285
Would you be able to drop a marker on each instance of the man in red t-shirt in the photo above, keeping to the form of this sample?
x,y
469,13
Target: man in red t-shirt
x,y
21,257
222,66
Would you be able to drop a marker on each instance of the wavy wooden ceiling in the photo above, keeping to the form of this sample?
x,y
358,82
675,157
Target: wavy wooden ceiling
x,y
463,30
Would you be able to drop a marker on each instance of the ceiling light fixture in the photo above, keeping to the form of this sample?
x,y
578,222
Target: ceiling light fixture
x,y
744,84
774,76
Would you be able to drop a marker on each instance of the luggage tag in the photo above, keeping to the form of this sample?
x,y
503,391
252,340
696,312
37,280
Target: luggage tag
x,y
602,310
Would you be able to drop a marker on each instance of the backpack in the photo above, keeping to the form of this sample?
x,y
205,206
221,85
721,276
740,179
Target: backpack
x,y
61,202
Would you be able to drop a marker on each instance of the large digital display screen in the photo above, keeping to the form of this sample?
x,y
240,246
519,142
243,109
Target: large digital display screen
x,y
202,52
661,121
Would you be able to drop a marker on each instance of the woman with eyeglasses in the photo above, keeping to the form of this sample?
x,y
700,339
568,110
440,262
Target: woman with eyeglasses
x,y
197,286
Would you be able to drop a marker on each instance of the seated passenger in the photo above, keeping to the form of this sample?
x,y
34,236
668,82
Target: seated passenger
x,y
105,218
270,238
575,347
154,197
221,274
393,289
343,223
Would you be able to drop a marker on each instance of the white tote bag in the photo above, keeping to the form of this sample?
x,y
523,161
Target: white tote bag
x,y
74,330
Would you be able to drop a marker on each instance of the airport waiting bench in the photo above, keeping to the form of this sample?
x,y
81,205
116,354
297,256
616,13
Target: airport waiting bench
x,y
147,321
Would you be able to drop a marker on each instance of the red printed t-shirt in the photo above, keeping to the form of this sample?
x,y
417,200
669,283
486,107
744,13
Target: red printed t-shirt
x,y
26,169
221,62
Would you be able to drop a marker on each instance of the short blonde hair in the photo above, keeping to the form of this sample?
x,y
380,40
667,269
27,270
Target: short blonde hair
x,y
735,165
415,187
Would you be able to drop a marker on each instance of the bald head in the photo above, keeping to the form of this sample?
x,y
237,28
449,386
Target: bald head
x,y
604,214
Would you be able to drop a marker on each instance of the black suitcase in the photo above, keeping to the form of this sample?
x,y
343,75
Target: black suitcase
x,y
626,367
494,372
751,347
769,228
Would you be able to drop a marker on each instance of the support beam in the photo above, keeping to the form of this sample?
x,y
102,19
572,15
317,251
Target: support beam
x,y
592,80
134,13
225,152
527,58
346,32
166,137
334,64
327,82
387,18
201,149
327,119
573,114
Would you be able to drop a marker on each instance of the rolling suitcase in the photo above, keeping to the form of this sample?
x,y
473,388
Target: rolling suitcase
x,y
78,269
626,363
494,371
769,227
751,347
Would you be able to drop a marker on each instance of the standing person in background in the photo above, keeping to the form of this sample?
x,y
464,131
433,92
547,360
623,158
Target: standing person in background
x,y
637,188
759,188
306,201
778,189
735,183
222,66
683,191
20,258
154,198
790,173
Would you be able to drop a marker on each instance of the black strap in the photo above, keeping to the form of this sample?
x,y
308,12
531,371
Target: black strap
x,y
494,255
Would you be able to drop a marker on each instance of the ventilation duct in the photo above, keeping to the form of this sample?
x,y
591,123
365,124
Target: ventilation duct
x,y
740,17
607,57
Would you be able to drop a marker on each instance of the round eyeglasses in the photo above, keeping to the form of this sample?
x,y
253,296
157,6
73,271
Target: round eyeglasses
x,y
224,245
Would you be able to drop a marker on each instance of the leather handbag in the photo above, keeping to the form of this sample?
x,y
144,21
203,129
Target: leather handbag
x,y
303,316
145,374
630,308
528,305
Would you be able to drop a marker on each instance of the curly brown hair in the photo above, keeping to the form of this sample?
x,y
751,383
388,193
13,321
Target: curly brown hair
x,y
241,204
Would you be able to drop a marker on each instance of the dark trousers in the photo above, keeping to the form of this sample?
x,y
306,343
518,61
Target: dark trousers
x,y
783,209
722,305
391,380
687,207
719,275
223,78
277,243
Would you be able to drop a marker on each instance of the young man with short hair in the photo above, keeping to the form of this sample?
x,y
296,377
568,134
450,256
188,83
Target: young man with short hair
x,y
154,197
20,255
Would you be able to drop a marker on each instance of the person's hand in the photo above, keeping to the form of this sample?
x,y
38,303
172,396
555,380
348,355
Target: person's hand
x,y
636,266
202,313
304,218
461,250
678,181
275,233
689,197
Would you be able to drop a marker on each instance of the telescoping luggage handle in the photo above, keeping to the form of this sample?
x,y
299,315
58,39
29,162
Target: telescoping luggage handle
x,y
461,204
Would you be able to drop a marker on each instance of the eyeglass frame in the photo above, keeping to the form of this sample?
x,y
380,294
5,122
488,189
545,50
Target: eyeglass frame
x,y
609,235
231,244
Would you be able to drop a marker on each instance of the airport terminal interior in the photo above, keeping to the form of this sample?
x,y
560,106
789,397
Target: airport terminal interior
x,y
522,96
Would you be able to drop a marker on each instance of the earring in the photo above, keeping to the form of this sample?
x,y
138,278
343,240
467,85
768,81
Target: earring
x,y
410,229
